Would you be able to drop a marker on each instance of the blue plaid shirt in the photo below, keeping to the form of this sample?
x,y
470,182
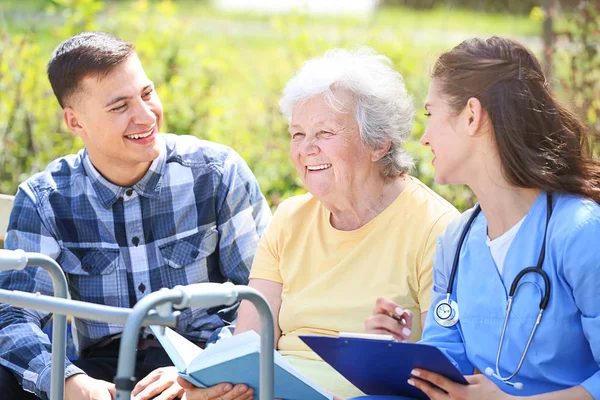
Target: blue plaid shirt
x,y
195,216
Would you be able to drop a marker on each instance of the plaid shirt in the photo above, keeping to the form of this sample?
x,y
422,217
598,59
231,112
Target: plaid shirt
x,y
195,216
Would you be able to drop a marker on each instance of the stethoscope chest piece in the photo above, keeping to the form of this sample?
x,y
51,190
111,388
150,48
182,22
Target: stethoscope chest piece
x,y
446,312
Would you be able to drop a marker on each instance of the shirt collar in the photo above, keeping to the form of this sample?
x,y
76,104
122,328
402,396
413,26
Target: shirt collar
x,y
149,186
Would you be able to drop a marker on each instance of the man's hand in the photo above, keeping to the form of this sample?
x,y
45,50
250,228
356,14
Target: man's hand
x,y
83,387
161,382
389,319
222,391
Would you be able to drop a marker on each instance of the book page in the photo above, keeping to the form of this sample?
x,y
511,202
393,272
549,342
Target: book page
x,y
240,346
180,350
285,364
227,349
372,336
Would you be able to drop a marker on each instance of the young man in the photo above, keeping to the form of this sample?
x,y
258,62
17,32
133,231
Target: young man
x,y
133,212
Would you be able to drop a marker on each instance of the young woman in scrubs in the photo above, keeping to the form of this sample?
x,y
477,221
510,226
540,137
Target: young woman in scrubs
x,y
495,126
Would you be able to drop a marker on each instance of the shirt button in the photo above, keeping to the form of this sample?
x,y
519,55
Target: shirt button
x,y
142,287
194,253
129,192
86,268
135,240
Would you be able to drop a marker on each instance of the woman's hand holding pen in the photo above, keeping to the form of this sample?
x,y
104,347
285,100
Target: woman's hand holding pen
x,y
389,319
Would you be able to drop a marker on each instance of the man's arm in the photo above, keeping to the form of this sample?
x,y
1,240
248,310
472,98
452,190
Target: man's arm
x,y
242,216
24,348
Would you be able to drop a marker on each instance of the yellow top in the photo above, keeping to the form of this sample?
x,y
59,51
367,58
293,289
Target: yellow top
x,y
331,278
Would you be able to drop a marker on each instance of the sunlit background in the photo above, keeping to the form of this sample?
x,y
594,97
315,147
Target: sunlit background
x,y
220,66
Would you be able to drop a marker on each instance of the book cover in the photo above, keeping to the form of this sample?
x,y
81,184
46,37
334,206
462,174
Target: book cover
x,y
235,360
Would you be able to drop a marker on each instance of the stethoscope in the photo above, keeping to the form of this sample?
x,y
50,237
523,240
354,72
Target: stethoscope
x,y
446,311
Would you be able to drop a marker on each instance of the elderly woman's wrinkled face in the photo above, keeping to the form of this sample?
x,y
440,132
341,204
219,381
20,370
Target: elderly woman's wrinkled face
x,y
326,148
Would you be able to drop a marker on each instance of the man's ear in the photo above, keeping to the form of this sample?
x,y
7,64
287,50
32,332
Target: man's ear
x,y
379,153
475,116
73,122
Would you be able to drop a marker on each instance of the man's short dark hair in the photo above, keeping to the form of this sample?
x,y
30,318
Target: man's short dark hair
x,y
83,55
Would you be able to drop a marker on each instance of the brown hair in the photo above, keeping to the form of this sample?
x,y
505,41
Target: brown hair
x,y
85,54
541,144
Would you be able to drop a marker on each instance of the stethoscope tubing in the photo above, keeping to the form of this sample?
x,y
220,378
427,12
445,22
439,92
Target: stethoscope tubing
x,y
536,269
452,318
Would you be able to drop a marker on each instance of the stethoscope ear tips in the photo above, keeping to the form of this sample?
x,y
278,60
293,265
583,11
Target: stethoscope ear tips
x,y
489,371
518,385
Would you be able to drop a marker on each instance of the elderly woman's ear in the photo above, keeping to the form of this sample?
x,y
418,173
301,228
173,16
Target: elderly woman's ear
x,y
378,154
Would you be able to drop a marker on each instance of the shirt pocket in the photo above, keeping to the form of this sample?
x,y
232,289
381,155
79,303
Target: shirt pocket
x,y
190,257
91,274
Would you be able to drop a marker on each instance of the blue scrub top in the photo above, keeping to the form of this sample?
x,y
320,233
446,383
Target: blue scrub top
x,y
565,350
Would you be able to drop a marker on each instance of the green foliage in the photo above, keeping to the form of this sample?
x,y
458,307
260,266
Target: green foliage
x,y
219,78
31,131
499,6
581,81
80,14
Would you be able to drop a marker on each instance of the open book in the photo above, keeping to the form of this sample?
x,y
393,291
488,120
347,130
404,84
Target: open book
x,y
234,360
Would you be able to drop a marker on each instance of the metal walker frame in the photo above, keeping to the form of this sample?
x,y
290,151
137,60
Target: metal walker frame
x,y
158,308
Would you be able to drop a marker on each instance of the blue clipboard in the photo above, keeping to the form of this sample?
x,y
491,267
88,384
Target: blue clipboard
x,y
379,367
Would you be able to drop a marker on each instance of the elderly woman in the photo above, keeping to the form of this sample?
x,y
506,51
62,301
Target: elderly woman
x,y
366,228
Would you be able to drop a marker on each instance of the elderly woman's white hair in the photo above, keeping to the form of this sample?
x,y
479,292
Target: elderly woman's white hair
x,y
384,110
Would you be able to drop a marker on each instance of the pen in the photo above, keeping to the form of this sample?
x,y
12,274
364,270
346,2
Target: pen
x,y
398,318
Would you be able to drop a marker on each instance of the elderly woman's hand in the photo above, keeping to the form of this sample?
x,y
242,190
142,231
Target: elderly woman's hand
x,y
222,391
389,319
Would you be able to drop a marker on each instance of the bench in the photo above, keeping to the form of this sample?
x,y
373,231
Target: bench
x,y
6,203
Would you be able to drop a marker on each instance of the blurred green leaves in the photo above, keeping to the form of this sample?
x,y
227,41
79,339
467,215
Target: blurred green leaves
x,y
578,65
79,14
219,78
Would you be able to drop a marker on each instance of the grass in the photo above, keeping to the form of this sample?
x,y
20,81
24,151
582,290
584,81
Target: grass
x,y
19,16
445,20
427,32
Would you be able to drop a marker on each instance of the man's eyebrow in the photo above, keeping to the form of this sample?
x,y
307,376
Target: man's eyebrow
x,y
119,98
116,99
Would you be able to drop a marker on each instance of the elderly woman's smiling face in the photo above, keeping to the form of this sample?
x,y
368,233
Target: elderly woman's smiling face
x,y
326,148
